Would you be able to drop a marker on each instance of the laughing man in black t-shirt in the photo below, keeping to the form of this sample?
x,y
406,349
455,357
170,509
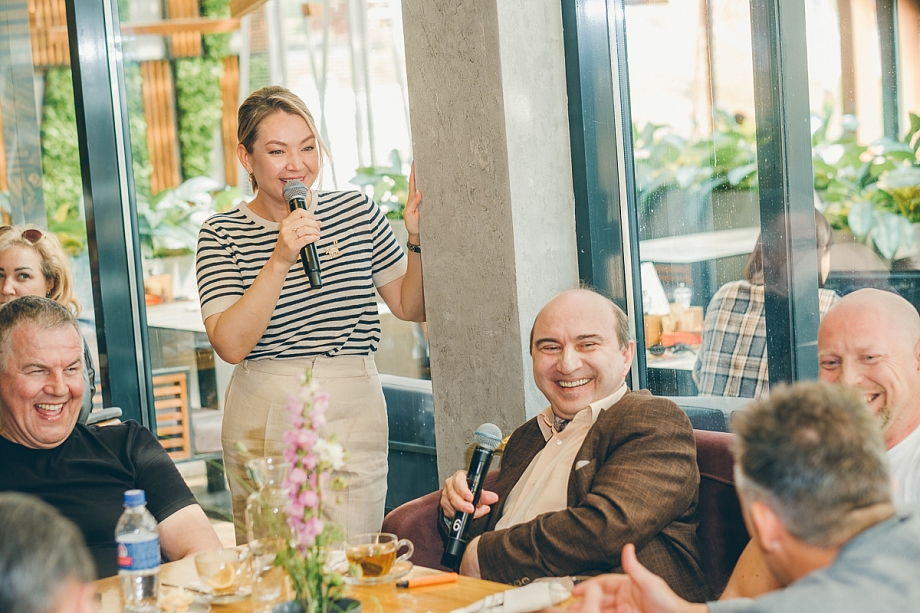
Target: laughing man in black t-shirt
x,y
83,471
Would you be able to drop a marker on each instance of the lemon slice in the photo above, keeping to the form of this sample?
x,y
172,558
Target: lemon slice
x,y
223,579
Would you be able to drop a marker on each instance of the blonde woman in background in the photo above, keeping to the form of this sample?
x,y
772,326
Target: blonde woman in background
x,y
33,263
261,314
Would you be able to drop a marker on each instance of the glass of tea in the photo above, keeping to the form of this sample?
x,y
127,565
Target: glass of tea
x,y
226,572
375,552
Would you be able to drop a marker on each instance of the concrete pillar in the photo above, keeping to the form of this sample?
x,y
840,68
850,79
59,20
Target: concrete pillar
x,y
487,99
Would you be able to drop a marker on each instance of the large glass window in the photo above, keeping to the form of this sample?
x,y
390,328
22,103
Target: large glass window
x,y
695,168
685,81
40,172
866,168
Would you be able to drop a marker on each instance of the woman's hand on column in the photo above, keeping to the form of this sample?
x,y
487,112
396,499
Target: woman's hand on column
x,y
410,213
405,296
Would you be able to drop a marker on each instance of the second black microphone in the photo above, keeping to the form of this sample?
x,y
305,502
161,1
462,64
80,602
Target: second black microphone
x,y
488,437
295,192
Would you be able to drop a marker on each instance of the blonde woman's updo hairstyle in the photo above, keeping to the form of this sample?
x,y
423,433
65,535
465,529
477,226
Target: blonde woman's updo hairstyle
x,y
55,266
264,103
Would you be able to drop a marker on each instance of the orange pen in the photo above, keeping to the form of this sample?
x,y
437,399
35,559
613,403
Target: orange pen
x,y
429,580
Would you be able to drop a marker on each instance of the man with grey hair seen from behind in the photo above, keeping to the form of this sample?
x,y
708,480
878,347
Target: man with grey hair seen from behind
x,y
812,476
83,471
44,564
869,340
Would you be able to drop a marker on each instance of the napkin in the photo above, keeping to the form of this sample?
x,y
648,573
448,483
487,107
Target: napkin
x,y
525,599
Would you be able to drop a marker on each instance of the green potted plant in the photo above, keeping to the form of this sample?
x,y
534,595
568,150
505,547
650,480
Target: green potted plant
x,y
390,190
687,185
390,185
870,191
168,226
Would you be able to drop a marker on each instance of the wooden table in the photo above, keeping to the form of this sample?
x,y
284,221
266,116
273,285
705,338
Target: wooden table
x,y
437,598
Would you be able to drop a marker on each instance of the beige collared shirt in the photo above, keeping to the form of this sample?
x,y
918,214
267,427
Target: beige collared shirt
x,y
550,468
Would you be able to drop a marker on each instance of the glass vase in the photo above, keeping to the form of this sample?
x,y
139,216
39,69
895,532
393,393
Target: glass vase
x,y
266,528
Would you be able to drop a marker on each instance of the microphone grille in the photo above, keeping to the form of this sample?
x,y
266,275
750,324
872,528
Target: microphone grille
x,y
488,436
294,189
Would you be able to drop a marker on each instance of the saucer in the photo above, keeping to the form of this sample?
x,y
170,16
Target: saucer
x,y
196,606
207,595
400,569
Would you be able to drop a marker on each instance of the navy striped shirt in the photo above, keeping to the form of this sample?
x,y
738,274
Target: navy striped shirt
x,y
357,251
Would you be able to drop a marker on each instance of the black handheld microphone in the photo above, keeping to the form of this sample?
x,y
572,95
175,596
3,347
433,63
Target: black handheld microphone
x,y
488,437
295,192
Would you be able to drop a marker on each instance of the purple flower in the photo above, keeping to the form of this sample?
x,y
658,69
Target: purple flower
x,y
314,526
317,418
294,405
313,458
305,439
298,477
309,498
295,509
310,461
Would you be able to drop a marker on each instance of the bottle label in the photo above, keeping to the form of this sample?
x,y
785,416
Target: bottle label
x,y
143,555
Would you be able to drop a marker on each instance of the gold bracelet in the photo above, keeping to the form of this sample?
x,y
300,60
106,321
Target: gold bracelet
x,y
413,248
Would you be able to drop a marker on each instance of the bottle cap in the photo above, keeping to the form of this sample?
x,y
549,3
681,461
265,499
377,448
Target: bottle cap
x,y
134,498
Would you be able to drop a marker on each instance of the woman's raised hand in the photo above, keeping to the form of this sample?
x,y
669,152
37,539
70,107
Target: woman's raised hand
x,y
295,232
410,213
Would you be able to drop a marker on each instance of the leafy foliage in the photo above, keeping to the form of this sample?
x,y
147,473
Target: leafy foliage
x,y
62,181
391,186
137,129
168,224
666,161
872,190
199,102
216,46
198,96
124,11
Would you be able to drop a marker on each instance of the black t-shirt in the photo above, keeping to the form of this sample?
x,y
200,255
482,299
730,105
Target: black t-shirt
x,y
87,475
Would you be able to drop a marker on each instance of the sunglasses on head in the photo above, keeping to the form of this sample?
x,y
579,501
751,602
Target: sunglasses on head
x,y
30,235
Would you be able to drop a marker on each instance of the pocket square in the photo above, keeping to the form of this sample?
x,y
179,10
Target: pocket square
x,y
581,464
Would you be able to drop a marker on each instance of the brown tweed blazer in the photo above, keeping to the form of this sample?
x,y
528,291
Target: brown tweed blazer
x,y
640,485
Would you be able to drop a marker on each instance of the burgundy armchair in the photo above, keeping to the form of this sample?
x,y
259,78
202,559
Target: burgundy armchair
x,y
722,532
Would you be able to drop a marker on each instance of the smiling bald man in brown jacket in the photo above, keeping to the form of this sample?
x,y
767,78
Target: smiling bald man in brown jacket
x,y
601,467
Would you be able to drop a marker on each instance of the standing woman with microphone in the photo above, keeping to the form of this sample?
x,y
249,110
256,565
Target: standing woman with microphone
x,y
261,313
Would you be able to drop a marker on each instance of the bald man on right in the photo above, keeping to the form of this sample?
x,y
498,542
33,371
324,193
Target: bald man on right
x,y
869,340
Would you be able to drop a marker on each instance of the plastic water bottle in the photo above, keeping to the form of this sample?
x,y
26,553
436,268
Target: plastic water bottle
x,y
138,555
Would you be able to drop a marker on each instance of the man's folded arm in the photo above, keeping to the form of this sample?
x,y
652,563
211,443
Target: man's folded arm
x,y
187,532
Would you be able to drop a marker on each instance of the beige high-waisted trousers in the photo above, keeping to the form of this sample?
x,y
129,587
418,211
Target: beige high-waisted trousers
x,y
256,415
